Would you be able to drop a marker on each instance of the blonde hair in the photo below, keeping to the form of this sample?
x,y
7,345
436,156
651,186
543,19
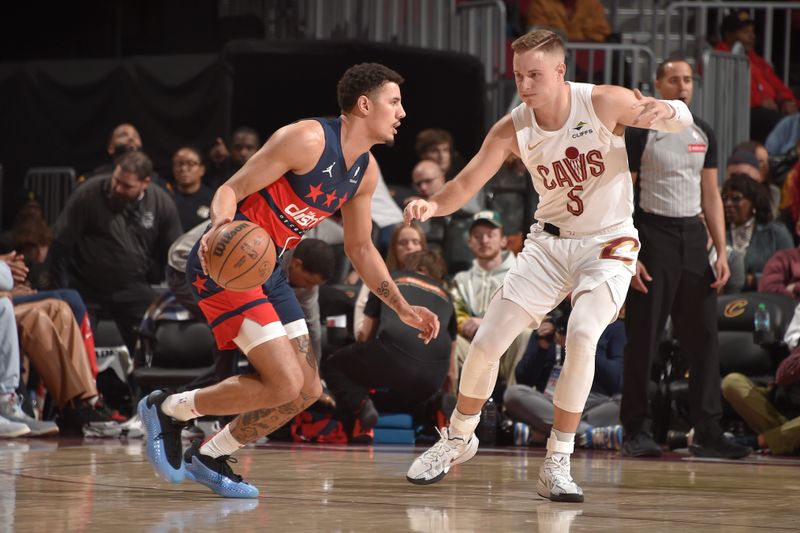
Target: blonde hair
x,y
544,40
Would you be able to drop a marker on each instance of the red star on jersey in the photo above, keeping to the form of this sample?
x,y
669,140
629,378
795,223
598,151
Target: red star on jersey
x,y
342,200
314,192
330,198
200,284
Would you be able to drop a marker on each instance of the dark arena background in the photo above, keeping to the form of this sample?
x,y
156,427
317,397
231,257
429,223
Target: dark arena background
x,y
120,121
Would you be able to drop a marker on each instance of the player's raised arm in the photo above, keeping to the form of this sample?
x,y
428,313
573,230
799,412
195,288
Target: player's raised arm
x,y
357,223
498,144
617,105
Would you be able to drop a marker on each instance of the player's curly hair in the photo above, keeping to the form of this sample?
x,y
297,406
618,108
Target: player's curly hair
x,y
363,79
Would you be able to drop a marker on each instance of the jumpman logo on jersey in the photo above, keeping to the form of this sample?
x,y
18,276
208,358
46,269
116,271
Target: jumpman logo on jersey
x,y
329,170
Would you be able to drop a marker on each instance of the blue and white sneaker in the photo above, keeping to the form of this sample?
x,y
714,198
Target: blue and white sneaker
x,y
163,440
216,474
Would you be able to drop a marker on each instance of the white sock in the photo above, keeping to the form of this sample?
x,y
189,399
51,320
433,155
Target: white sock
x,y
220,444
561,437
181,406
463,426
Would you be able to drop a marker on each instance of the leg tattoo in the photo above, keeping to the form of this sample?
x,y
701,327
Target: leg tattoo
x,y
251,426
304,348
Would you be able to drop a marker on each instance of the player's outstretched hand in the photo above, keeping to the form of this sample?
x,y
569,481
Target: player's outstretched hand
x,y
203,250
652,110
424,320
420,210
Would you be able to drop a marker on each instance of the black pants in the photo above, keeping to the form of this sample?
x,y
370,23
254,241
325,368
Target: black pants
x,y
353,370
674,252
125,307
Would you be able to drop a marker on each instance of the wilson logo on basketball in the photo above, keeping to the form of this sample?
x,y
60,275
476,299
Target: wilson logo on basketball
x,y
735,308
572,169
219,248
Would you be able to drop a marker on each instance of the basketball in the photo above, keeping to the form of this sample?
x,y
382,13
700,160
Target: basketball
x,y
241,255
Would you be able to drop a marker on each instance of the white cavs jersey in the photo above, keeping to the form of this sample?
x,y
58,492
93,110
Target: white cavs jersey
x,y
580,171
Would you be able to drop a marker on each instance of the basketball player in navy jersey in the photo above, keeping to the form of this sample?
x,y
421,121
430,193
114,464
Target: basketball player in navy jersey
x,y
583,243
303,174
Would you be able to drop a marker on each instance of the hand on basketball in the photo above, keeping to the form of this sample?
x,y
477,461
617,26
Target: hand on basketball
x,y
420,210
422,319
723,273
641,276
652,110
203,250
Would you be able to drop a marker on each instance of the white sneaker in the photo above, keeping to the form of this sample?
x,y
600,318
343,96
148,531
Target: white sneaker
x,y
9,429
132,428
556,483
432,465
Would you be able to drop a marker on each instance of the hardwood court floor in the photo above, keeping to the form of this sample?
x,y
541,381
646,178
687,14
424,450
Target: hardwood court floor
x,y
108,486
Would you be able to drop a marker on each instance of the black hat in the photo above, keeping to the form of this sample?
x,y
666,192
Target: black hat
x,y
735,21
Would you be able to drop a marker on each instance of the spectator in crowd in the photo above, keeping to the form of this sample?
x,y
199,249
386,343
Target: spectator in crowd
x,y
531,399
32,238
404,241
388,353
436,145
752,234
49,336
124,138
781,274
224,161
427,179
773,412
192,196
770,99
751,158
473,290
9,354
677,178
785,136
111,242
577,20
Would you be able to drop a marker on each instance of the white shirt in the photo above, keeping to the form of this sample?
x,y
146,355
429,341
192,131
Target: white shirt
x,y
580,171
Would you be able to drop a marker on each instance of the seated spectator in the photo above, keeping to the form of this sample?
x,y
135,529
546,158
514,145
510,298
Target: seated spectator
x,y
578,20
772,412
427,179
192,196
785,136
49,336
404,241
436,145
770,99
752,234
752,158
124,138
531,399
473,290
781,274
388,354
225,161
111,242
13,425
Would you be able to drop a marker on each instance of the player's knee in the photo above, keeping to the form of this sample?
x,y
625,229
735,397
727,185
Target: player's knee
x,y
581,341
283,385
312,389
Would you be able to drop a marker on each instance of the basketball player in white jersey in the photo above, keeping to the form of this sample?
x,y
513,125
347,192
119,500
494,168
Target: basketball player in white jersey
x,y
583,243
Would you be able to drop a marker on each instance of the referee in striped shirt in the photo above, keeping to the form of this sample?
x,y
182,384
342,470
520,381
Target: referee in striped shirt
x,y
677,178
